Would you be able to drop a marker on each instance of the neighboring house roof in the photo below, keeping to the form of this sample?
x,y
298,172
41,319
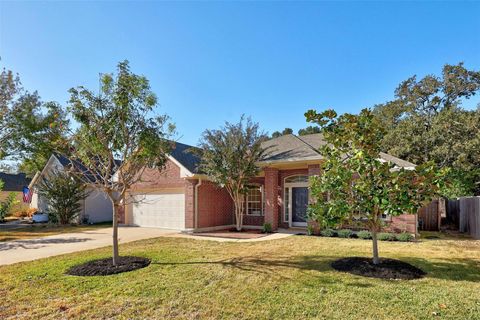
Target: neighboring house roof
x,y
14,182
290,148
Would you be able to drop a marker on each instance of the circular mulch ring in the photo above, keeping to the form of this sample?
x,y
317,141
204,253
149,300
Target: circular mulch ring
x,y
104,267
386,269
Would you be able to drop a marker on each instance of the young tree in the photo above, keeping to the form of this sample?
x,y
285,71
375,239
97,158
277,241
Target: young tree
x,y
118,137
229,157
356,184
63,193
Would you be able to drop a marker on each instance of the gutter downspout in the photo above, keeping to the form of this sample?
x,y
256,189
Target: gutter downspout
x,y
196,202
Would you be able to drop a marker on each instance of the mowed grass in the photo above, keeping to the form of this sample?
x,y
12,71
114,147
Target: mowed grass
x,y
289,278
42,230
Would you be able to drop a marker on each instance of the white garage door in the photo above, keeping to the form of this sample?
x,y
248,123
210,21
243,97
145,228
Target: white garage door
x,y
165,210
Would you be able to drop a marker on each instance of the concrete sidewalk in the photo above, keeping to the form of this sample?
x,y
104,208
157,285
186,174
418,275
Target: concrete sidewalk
x,y
37,248
272,236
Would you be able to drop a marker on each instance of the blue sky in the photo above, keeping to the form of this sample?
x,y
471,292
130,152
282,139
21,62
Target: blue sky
x,y
213,61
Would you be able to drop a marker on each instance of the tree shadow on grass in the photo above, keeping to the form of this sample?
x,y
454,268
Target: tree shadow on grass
x,y
453,269
448,269
38,243
264,265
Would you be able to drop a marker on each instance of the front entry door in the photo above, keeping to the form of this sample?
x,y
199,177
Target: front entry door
x,y
299,206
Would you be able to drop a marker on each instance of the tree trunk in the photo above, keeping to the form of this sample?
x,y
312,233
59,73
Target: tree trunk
x,y
376,259
238,214
238,222
115,234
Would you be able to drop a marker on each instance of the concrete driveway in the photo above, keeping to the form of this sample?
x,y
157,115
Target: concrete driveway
x,y
37,248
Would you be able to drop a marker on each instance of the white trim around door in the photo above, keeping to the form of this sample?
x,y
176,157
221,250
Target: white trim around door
x,y
298,181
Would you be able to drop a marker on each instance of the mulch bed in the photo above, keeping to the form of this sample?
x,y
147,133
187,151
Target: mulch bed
x,y
387,269
104,267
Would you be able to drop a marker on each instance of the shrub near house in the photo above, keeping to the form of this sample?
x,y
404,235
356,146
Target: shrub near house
x,y
64,194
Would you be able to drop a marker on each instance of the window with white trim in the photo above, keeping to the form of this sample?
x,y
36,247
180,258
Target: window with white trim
x,y
255,201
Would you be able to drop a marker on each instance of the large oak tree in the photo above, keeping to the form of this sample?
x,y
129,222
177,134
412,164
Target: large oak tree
x,y
427,122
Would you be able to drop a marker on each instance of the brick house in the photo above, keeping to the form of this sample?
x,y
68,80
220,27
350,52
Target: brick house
x,y
182,198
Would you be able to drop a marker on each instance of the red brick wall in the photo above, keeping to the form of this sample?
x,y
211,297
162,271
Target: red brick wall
x,y
215,206
253,220
271,197
313,169
403,223
169,177
190,203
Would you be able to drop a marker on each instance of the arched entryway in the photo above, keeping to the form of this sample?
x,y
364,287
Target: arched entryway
x,y
296,200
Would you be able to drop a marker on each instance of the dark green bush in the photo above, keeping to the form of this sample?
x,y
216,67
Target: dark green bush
x,y
384,236
328,233
344,233
267,227
364,234
6,205
406,237
64,195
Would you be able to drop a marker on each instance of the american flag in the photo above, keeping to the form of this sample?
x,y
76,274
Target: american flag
x,y
27,194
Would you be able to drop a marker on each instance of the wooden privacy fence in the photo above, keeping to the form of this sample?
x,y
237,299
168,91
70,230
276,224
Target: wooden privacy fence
x,y
464,213
469,218
430,216
453,213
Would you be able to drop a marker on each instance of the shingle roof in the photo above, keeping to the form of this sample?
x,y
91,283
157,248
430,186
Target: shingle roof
x,y
288,148
183,154
297,148
14,182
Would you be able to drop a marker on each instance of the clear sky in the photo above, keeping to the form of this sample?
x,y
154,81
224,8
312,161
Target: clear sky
x,y
213,61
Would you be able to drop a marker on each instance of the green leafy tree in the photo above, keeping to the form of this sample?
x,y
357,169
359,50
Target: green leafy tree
x,y
285,131
229,158
64,194
119,135
356,184
7,204
29,128
309,130
426,122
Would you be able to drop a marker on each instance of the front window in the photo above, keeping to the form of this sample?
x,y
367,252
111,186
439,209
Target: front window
x,y
255,200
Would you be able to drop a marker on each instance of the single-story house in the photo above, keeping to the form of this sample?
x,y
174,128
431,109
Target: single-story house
x,y
182,198
97,207
14,183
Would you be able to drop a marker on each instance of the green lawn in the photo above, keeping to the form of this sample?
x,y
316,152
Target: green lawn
x,y
289,278
42,230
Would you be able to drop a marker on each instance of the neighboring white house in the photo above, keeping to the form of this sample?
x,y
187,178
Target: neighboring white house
x,y
97,207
